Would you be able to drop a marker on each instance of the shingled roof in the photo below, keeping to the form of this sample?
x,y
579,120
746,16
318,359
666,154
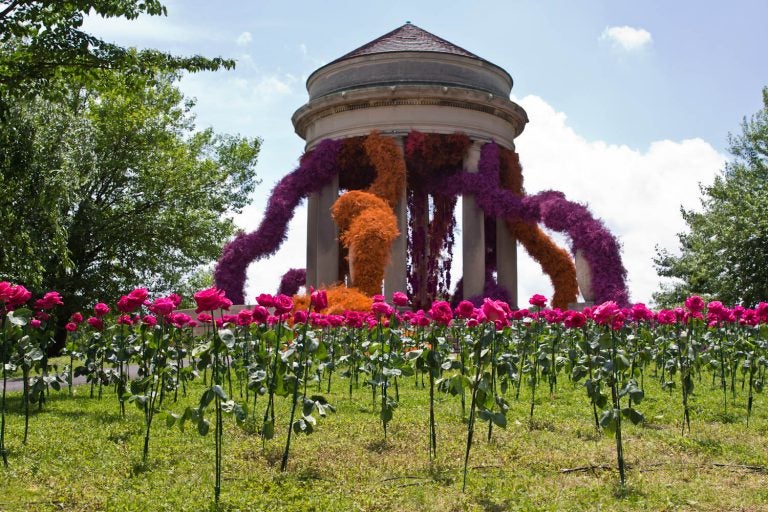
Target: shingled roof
x,y
408,38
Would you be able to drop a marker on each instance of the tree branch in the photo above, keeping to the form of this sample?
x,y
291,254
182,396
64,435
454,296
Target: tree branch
x,y
10,8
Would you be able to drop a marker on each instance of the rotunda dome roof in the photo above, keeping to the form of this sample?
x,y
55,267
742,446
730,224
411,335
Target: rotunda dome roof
x,y
409,55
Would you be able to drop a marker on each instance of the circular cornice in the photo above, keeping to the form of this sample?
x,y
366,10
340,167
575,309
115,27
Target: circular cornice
x,y
409,67
399,96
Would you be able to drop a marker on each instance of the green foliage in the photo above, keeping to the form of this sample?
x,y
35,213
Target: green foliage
x,y
342,466
345,465
114,188
723,255
35,190
42,42
106,182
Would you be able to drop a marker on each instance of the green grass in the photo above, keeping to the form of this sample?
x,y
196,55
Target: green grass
x,y
82,456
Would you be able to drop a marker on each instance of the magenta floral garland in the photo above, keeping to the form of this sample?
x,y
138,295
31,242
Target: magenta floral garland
x,y
416,243
316,170
431,217
441,241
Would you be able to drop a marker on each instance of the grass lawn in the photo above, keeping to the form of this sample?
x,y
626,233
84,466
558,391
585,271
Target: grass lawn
x,y
82,456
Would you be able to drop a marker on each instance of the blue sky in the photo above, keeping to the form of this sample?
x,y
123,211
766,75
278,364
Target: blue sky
x,y
630,102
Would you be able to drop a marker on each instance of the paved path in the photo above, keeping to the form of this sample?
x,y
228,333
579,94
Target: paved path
x,y
17,383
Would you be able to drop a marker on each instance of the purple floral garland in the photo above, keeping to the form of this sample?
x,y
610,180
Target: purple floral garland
x,y
600,248
316,170
291,281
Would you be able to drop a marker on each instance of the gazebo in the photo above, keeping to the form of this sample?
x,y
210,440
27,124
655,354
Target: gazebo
x,y
400,128
406,80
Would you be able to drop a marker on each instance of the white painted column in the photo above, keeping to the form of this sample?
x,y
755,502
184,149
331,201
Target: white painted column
x,y
473,233
312,204
584,276
395,275
506,260
327,235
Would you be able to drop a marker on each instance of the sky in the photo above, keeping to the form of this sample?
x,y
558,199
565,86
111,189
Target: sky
x,y
630,102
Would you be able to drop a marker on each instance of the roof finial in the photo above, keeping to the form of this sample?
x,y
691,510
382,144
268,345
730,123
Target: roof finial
x,y
408,22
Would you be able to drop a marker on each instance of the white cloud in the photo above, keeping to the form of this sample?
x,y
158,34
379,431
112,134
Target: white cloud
x,y
627,38
226,100
244,39
144,30
274,85
637,193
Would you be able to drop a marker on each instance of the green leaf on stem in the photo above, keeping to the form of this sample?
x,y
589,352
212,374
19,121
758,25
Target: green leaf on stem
x,y
500,419
633,415
171,419
579,372
391,372
228,338
20,317
610,420
219,392
268,430
413,354
207,398
35,354
308,407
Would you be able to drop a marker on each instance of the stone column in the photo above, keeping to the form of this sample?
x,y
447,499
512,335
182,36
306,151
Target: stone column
x,y
506,260
395,278
584,276
327,234
473,233
312,203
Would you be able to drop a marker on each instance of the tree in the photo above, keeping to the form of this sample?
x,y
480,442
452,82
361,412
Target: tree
x,y
42,42
33,197
118,176
725,253
105,182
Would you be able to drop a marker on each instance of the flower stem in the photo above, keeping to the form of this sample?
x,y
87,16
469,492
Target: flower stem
x,y
271,386
493,383
471,425
284,462
25,374
617,407
2,403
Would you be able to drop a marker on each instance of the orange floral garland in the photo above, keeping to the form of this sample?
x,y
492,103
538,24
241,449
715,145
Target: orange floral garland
x,y
368,226
387,158
555,261
366,220
340,299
